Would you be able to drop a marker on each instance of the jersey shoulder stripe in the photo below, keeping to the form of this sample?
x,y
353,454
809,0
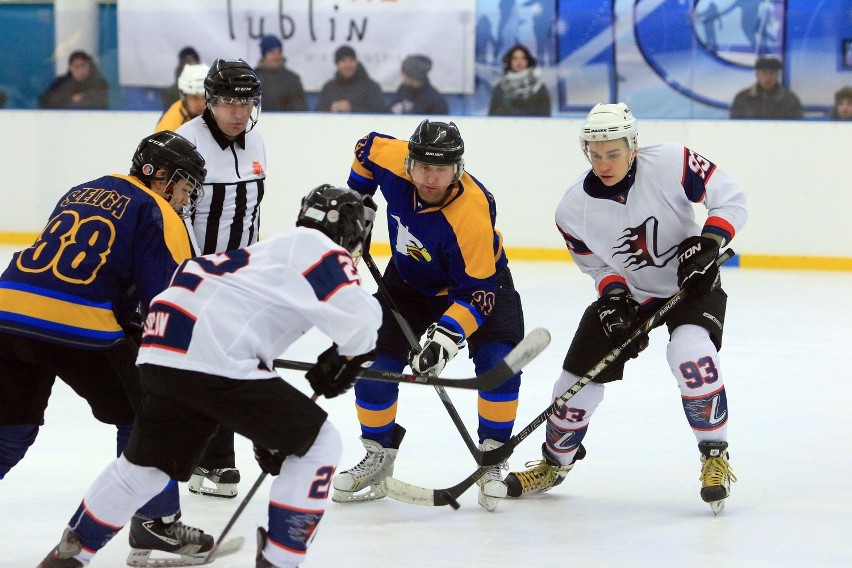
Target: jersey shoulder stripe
x,y
330,274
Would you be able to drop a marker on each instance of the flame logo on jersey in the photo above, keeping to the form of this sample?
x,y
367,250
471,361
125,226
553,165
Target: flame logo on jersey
x,y
408,244
639,247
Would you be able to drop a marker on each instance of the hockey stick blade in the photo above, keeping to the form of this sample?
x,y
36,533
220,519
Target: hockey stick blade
x,y
414,495
528,349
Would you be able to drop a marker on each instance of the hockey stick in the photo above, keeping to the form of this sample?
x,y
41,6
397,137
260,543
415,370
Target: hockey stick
x,y
528,349
407,493
415,346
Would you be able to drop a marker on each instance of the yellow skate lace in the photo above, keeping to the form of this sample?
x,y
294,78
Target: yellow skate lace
x,y
714,470
539,476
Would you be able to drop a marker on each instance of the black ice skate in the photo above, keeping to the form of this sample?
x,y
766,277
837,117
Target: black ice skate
x,y
260,561
148,535
716,474
224,482
61,556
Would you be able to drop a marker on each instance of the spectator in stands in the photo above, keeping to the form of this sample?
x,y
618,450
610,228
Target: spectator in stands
x,y
767,98
521,91
416,95
192,100
842,109
82,87
282,88
186,56
351,89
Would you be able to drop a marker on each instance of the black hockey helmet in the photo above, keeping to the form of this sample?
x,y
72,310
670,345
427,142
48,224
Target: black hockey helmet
x,y
438,143
178,157
338,213
234,79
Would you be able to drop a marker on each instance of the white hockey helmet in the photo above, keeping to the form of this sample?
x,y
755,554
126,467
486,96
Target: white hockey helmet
x,y
191,80
609,122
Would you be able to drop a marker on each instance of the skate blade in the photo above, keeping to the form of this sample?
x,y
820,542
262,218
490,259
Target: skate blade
x,y
141,557
223,490
369,493
717,506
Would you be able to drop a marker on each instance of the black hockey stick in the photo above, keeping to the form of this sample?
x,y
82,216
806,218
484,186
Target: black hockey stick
x,y
414,343
407,493
528,349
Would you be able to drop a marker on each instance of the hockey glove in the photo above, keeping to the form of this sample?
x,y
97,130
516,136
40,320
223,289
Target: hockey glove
x,y
619,315
269,460
335,374
440,347
370,209
697,272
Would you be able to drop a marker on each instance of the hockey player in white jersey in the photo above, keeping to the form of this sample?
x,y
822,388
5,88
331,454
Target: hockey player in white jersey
x,y
228,217
207,358
629,223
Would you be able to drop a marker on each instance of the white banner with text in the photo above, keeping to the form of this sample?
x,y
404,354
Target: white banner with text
x,y
151,33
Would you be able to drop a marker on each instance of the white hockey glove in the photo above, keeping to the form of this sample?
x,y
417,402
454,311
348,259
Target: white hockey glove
x,y
440,347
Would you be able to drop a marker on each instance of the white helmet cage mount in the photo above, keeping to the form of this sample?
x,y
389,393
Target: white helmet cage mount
x,y
609,122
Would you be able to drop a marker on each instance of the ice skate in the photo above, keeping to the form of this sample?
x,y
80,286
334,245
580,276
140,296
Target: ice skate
x,y
62,555
221,482
492,488
363,482
540,475
716,474
260,561
149,535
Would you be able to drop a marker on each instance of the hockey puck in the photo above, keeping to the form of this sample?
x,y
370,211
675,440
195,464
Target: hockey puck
x,y
451,501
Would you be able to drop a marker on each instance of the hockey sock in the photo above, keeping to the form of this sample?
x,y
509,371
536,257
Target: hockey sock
x,y
376,402
122,436
567,427
499,407
298,498
111,500
694,362
15,440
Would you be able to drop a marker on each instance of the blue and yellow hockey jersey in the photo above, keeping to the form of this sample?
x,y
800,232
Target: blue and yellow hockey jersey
x,y
109,243
452,249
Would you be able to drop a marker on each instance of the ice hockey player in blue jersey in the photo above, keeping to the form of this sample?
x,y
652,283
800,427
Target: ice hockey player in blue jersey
x,y
629,223
68,308
449,278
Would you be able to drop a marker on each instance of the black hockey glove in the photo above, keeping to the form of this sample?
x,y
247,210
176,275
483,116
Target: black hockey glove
x,y
370,209
619,315
134,326
333,373
440,347
269,460
697,272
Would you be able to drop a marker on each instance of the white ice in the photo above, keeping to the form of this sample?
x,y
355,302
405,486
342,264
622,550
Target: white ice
x,y
632,502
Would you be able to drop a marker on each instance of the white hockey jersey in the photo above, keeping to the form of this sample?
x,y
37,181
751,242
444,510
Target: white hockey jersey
x,y
230,314
632,238
228,216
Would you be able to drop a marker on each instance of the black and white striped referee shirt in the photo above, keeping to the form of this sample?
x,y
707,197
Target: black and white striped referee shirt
x,y
228,216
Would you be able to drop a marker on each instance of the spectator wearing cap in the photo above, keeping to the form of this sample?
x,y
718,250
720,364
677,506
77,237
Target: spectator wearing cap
x,y
521,90
186,56
767,98
416,95
842,109
351,89
282,88
82,87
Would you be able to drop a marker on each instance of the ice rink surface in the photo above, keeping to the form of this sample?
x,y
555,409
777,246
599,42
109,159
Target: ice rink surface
x,y
632,502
